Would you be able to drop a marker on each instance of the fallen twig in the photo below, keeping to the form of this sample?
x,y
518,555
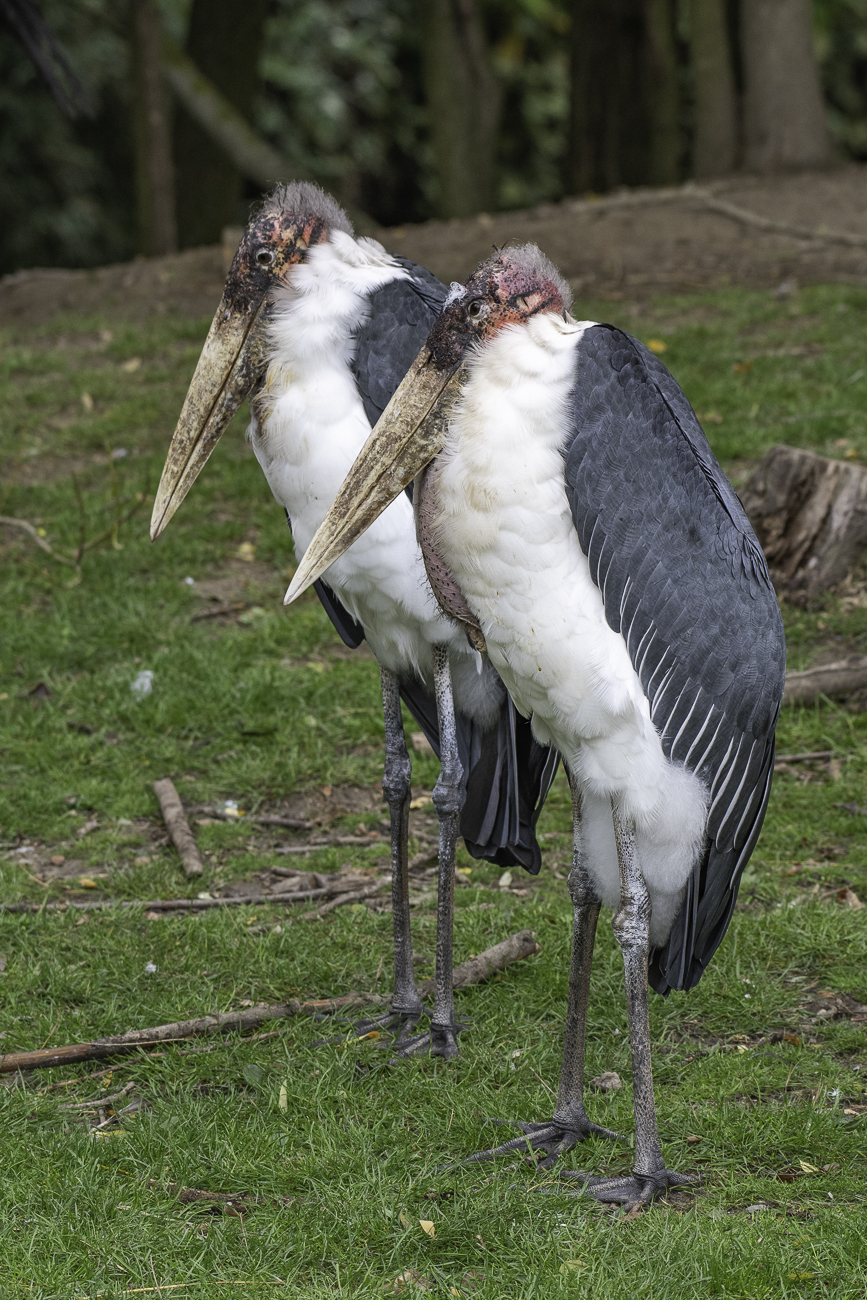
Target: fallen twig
x,y
131,1109
218,611
470,972
184,904
803,758
96,1102
178,827
352,896
293,823
852,808
840,678
195,1196
26,527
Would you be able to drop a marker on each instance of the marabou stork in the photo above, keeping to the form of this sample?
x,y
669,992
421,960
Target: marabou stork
x,y
320,327
567,489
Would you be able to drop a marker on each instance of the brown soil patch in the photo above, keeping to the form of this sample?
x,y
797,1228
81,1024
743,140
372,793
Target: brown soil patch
x,y
242,581
670,240
634,243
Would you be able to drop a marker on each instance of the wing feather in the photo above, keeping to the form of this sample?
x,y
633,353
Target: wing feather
x,y
686,584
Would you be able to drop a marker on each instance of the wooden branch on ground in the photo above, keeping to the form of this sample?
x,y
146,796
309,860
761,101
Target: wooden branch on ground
x,y
841,678
201,904
178,827
351,896
747,218
479,968
705,197
194,1196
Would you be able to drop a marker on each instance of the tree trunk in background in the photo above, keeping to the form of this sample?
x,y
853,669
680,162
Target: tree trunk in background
x,y
463,100
715,142
223,41
155,182
663,92
624,111
784,114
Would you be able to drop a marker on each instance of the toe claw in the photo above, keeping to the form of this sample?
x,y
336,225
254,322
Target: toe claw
x,y
632,1191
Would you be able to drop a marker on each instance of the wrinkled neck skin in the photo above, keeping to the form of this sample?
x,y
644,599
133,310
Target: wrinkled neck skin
x,y
505,531
309,425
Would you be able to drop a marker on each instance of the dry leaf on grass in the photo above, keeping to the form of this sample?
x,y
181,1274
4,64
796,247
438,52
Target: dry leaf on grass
x,y
608,1082
427,1226
409,1277
849,897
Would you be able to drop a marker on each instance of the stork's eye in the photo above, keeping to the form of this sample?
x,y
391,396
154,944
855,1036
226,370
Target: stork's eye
x,y
476,309
264,256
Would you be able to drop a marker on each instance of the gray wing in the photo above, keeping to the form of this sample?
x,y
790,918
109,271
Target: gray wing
x,y
684,581
387,341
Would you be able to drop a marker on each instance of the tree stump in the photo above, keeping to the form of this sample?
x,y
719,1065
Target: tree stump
x,y
810,515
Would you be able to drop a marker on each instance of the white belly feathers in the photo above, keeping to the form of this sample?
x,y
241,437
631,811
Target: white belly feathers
x,y
507,534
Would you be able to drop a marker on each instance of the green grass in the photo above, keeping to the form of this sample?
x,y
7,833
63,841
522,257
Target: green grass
x,y
252,710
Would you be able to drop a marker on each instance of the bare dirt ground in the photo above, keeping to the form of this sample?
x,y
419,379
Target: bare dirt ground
x,y
752,231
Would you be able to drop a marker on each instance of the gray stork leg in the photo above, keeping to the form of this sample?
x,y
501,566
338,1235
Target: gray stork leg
x,y
570,1125
448,800
406,1005
649,1177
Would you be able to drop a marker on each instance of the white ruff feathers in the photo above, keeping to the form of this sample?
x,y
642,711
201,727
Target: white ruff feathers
x,y
312,431
507,534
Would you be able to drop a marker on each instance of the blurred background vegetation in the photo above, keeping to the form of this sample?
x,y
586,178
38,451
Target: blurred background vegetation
x,y
406,111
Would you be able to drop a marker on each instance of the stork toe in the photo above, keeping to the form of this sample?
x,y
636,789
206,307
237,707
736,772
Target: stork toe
x,y
438,1040
632,1190
548,1140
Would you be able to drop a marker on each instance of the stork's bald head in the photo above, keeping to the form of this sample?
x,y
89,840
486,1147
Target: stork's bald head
x,y
507,289
290,222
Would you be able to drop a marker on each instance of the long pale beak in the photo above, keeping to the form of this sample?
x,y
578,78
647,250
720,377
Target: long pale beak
x,y
232,360
408,434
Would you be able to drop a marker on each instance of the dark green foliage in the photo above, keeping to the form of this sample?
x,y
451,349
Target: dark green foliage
x,y
66,196
842,26
224,41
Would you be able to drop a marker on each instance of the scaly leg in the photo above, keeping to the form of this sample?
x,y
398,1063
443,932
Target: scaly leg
x,y
649,1177
406,1005
448,799
570,1124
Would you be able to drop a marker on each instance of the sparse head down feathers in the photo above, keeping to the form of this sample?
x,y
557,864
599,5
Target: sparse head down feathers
x,y
508,288
304,199
526,261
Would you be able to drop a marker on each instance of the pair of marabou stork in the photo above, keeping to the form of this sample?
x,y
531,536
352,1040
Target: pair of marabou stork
x,y
580,536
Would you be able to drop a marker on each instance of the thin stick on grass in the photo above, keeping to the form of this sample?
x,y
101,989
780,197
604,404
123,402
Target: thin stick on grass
x,y
479,968
200,904
178,827
26,527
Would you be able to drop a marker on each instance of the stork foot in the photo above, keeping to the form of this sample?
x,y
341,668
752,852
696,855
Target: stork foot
x,y
439,1040
393,1024
544,1143
634,1191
